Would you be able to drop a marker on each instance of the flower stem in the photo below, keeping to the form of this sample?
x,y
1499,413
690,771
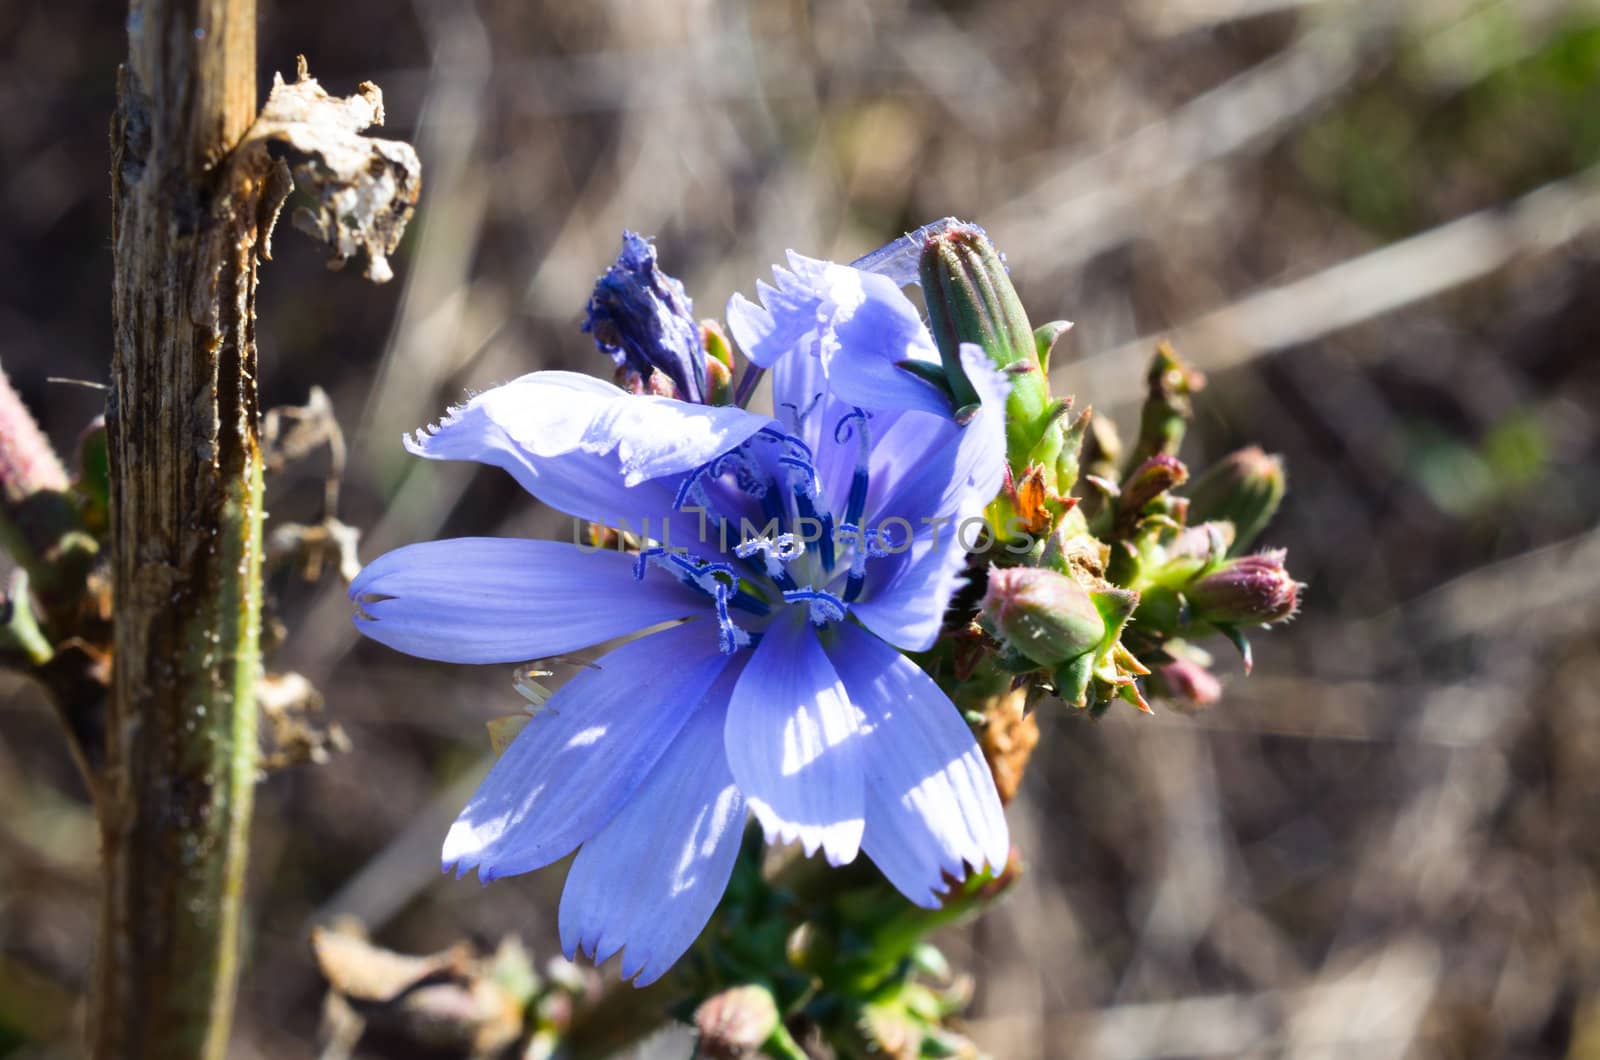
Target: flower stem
x,y
183,426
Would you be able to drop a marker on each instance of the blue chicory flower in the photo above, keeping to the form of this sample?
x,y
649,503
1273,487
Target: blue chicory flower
x,y
820,544
643,318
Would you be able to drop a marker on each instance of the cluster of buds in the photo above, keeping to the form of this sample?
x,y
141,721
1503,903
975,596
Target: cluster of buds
x,y
1128,558
820,952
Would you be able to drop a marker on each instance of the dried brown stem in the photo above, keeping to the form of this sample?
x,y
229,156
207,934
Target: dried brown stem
x,y
197,183
185,532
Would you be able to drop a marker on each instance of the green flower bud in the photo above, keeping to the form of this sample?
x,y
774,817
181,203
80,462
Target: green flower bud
x,y
719,383
1249,590
1245,488
970,299
1167,409
1044,616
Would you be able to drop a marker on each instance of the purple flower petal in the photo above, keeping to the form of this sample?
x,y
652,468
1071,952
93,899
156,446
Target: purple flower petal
x,y
875,327
941,496
790,738
902,446
650,879
579,760
931,803
906,594
968,470
857,324
586,447
787,318
498,600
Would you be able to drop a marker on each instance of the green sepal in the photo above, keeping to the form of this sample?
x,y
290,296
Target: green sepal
x,y
1237,638
1162,610
933,374
1125,565
1115,606
1072,679
1070,459
1045,337
1245,488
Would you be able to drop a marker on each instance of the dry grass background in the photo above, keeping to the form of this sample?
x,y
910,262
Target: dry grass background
x,y
1375,224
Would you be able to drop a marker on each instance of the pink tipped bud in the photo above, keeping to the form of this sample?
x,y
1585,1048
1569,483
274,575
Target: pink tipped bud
x,y
1188,685
736,1022
1044,616
1149,480
1250,590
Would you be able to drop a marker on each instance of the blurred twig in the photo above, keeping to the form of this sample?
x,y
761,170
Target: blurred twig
x,y
1094,202
1357,290
1369,1008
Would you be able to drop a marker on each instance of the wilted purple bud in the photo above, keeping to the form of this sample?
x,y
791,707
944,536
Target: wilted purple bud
x,y
1250,590
1245,488
643,319
1044,616
736,1022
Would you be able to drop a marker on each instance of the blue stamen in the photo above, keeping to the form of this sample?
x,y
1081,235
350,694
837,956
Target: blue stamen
x,y
691,488
703,574
824,606
772,507
800,414
856,505
869,545
808,510
842,430
749,481
730,636
776,552
642,561
802,476
790,441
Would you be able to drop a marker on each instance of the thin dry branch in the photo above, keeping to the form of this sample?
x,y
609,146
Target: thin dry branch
x,y
1354,291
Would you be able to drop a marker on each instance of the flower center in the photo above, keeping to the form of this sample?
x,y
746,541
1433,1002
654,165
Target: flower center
x,y
780,542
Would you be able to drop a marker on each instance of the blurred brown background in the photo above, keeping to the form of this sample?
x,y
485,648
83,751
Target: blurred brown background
x,y
1375,225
